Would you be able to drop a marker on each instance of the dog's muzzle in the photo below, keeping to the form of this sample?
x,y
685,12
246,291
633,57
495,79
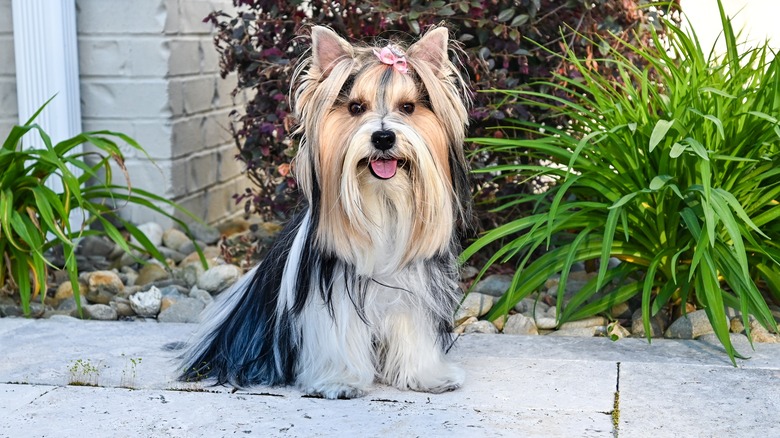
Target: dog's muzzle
x,y
383,168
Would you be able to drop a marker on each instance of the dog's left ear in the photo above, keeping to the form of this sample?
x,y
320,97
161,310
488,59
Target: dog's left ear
x,y
328,48
431,48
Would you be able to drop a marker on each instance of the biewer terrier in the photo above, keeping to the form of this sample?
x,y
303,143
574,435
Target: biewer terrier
x,y
362,284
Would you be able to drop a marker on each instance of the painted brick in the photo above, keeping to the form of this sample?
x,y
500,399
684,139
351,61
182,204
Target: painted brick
x,y
186,57
199,93
124,98
176,97
202,171
6,124
172,18
6,17
210,60
153,135
217,204
145,57
188,136
229,166
216,129
224,89
121,16
7,61
8,104
192,13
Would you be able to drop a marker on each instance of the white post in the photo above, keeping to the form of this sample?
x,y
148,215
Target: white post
x,y
46,54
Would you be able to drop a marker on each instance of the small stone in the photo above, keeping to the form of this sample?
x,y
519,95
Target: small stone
x,y
174,239
96,246
759,334
100,312
181,310
189,247
103,286
150,273
485,327
153,231
170,254
736,325
202,295
468,272
585,332
593,321
657,324
546,323
462,327
146,304
689,326
165,303
519,324
130,275
122,307
525,306
205,233
474,304
174,290
219,278
67,305
620,311
499,323
65,290
493,285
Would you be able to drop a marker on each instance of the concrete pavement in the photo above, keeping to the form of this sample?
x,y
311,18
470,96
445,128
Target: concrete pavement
x,y
524,386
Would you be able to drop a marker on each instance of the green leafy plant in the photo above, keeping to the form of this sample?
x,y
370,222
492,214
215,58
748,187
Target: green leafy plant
x,y
672,169
34,218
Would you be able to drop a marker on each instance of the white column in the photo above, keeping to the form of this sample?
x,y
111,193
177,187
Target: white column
x,y
46,54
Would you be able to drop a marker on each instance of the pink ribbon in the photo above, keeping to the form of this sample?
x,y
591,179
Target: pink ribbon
x,y
392,56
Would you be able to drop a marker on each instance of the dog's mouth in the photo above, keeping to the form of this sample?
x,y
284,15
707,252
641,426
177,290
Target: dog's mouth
x,y
383,168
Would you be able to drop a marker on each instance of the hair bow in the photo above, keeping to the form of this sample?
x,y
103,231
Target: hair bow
x,y
392,56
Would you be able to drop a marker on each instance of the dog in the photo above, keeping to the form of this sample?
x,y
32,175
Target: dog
x,y
361,286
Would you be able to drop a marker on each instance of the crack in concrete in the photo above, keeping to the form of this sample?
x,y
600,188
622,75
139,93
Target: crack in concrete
x,y
616,406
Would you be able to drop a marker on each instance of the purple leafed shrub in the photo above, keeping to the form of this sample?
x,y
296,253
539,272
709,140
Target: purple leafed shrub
x,y
507,44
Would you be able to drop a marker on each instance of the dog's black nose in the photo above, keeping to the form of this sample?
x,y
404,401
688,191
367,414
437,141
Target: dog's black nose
x,y
383,140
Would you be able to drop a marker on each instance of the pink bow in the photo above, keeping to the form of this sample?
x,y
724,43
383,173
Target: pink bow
x,y
392,56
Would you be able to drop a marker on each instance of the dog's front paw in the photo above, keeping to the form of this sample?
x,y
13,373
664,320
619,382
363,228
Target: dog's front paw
x,y
334,391
438,379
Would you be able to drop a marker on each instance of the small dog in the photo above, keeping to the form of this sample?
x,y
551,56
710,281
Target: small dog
x,y
362,285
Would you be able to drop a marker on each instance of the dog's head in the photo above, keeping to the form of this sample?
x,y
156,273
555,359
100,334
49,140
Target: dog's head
x,y
381,158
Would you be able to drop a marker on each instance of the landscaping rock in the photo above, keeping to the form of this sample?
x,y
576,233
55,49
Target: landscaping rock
x,y
519,324
103,286
689,326
493,285
150,273
593,321
96,246
657,325
759,334
153,231
171,254
486,327
474,304
586,332
219,278
100,312
182,309
617,331
175,239
189,247
621,311
462,327
526,306
122,307
546,323
146,304
468,272
202,295
209,235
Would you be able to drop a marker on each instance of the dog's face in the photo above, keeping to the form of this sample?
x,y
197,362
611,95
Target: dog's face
x,y
381,158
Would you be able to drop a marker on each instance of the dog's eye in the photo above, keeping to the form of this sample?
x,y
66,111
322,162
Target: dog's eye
x,y
356,108
407,108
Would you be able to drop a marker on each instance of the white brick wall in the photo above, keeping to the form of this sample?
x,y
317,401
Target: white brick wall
x,y
8,107
149,69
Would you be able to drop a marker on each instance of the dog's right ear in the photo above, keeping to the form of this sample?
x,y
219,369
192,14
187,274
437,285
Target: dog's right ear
x,y
328,49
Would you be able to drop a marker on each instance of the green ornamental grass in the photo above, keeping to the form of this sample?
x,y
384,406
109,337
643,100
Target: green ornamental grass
x,y
34,218
674,170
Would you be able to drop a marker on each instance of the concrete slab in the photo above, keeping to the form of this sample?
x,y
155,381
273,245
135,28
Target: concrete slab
x,y
516,386
698,400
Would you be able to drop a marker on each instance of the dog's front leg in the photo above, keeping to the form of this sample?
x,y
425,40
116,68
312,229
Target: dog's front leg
x,y
412,356
336,359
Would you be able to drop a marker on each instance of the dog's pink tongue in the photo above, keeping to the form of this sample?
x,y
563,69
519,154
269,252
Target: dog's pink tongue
x,y
384,169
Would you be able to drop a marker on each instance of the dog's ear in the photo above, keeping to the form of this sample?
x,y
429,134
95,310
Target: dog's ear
x,y
328,48
431,48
